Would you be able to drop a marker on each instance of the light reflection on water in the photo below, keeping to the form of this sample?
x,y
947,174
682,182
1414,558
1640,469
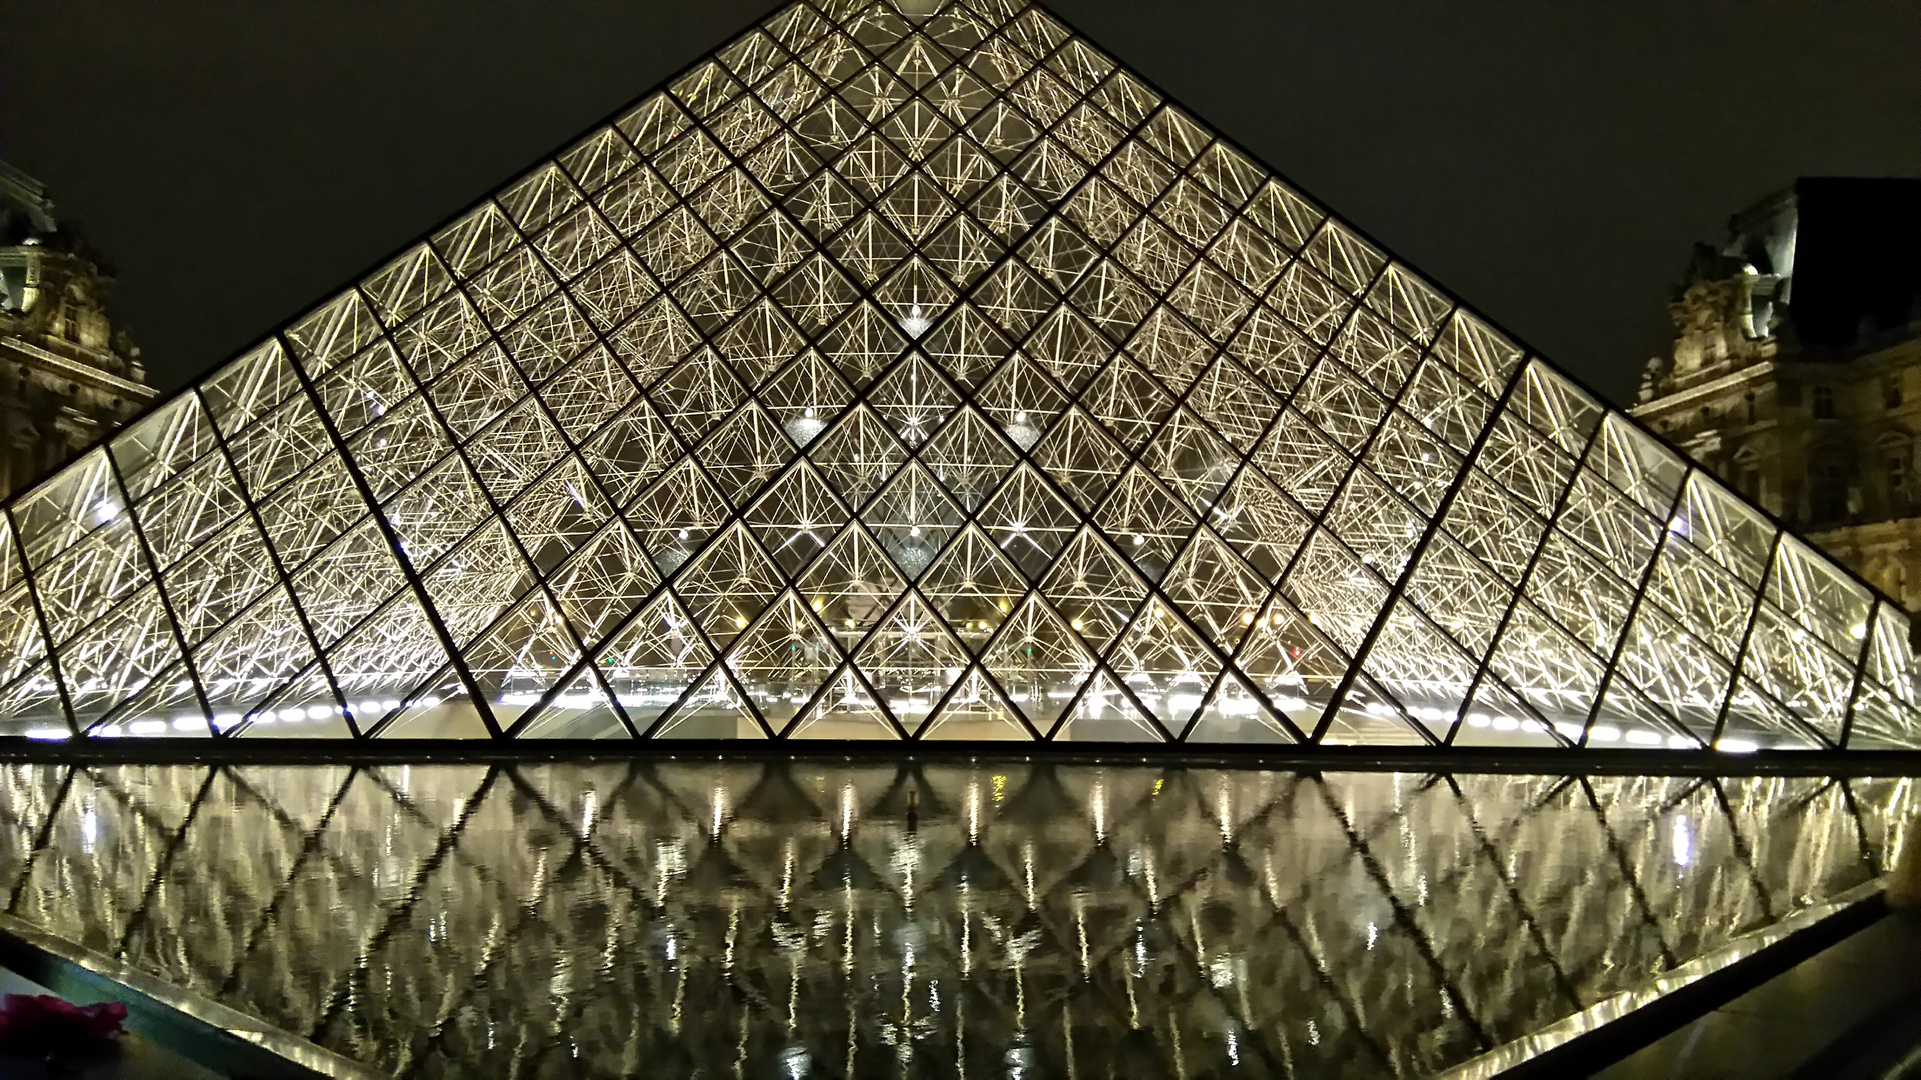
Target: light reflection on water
x,y
806,919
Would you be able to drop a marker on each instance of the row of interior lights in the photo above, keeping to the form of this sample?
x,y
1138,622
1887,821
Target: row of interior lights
x,y
226,721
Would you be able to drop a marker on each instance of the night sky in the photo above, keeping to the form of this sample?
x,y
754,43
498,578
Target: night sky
x,y
1549,162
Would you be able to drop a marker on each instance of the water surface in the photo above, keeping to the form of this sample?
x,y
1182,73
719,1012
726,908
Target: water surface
x,y
819,919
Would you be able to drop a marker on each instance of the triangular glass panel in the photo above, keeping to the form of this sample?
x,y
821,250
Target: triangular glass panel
x,y
1236,715
1777,649
851,584
917,293
677,513
1496,717
783,659
1021,400
1215,589
119,655
1675,669
1258,520
1081,457
1105,713
1416,662
1148,525
728,584
1550,670
438,708
912,518
476,582
1881,720
518,661
805,397
796,516
973,586
652,660
1028,520
1165,663
305,708
239,665
631,451
858,455
745,453
1627,719
603,581
1039,660
911,660
976,711
1755,720
969,457
715,709
844,710
966,344
556,515
581,710
166,706
1291,662
915,398
1368,717
1094,588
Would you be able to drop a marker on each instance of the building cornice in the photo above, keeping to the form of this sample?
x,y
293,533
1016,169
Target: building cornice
x,y
78,370
1715,388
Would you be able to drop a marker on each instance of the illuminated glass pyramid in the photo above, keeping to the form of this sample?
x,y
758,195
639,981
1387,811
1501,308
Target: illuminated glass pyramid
x,y
916,372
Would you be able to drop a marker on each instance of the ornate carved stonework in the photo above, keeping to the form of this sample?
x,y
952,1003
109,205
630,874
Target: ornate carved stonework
x,y
67,374
1822,434
1712,327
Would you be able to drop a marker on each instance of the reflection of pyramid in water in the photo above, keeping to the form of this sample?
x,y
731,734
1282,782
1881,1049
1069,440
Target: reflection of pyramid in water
x,y
907,374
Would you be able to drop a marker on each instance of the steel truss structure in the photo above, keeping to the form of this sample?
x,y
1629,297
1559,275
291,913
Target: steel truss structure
x,y
921,920
916,372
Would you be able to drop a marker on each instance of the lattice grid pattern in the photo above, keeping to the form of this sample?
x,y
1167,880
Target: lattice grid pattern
x,y
918,373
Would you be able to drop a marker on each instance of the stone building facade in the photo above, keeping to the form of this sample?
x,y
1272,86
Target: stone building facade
x,y
67,374
1795,373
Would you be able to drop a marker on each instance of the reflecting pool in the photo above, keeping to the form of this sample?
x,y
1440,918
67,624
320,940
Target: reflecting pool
x,y
790,919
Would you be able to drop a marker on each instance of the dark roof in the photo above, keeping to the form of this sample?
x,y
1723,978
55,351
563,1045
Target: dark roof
x,y
1857,259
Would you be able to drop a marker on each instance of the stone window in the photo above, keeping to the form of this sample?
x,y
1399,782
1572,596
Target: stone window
x,y
1891,390
1827,490
1897,459
1824,403
1747,473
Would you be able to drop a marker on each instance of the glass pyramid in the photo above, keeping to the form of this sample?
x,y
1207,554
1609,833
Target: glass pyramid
x,y
913,371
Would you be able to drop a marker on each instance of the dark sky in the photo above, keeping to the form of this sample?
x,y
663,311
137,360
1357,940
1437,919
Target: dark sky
x,y
1549,162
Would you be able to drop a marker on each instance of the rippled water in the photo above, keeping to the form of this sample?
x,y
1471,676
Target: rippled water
x,y
793,919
